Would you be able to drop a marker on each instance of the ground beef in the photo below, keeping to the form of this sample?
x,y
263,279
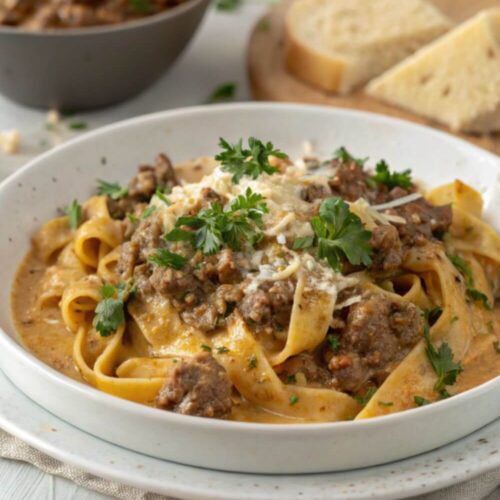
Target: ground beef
x,y
129,254
423,221
203,317
313,192
312,367
377,335
388,251
148,236
143,186
220,267
198,386
269,305
168,281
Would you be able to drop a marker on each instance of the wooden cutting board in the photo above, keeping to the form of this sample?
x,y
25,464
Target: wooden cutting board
x,y
270,81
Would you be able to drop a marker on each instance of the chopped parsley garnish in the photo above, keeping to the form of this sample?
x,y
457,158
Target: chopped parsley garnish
x,y
110,312
496,346
340,235
302,243
227,5
252,362
206,347
251,162
140,6
365,398
161,196
294,399
77,125
222,350
420,401
74,213
223,92
466,271
111,189
434,314
442,363
291,379
395,179
145,214
386,403
166,258
212,228
345,157
333,342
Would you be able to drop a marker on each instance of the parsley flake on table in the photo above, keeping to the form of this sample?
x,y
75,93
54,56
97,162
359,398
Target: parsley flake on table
x,y
345,157
111,189
110,311
228,5
77,125
250,162
466,271
223,92
395,179
442,363
340,235
166,258
74,213
214,227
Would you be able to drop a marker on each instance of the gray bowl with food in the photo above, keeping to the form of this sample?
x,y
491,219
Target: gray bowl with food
x,y
89,56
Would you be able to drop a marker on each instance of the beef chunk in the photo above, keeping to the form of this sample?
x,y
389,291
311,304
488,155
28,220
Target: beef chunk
x,y
148,236
314,192
423,221
388,252
129,254
378,334
168,281
198,386
219,268
313,369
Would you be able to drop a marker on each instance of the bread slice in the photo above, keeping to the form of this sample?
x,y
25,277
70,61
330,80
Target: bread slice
x,y
454,80
338,45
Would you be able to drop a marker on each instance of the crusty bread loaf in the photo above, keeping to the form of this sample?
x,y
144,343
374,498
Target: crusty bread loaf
x,y
338,45
454,80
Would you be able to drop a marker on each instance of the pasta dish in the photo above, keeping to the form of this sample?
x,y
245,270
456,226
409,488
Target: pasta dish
x,y
251,287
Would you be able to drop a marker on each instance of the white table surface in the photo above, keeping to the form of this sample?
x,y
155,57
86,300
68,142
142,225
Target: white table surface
x,y
215,56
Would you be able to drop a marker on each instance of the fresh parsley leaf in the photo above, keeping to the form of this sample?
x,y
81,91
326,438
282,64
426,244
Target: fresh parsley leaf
x,y
132,218
302,243
222,349
77,125
74,213
496,346
386,403
433,314
148,211
165,258
345,157
227,5
251,162
294,399
140,6
161,196
252,362
478,296
442,363
420,401
363,400
110,312
391,180
333,342
340,235
223,92
206,347
111,189
213,227
466,271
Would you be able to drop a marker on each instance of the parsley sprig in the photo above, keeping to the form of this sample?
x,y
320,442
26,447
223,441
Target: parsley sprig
x,y
214,227
442,363
250,162
345,157
74,213
166,258
111,189
466,271
110,312
340,235
390,179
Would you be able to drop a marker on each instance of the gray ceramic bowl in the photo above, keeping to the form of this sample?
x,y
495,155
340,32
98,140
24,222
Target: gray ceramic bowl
x,y
78,69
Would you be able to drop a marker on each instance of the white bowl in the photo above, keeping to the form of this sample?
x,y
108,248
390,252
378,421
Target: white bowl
x,y
32,195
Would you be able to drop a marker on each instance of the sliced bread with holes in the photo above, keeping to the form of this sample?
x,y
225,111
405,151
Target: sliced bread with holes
x,y
454,80
338,45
